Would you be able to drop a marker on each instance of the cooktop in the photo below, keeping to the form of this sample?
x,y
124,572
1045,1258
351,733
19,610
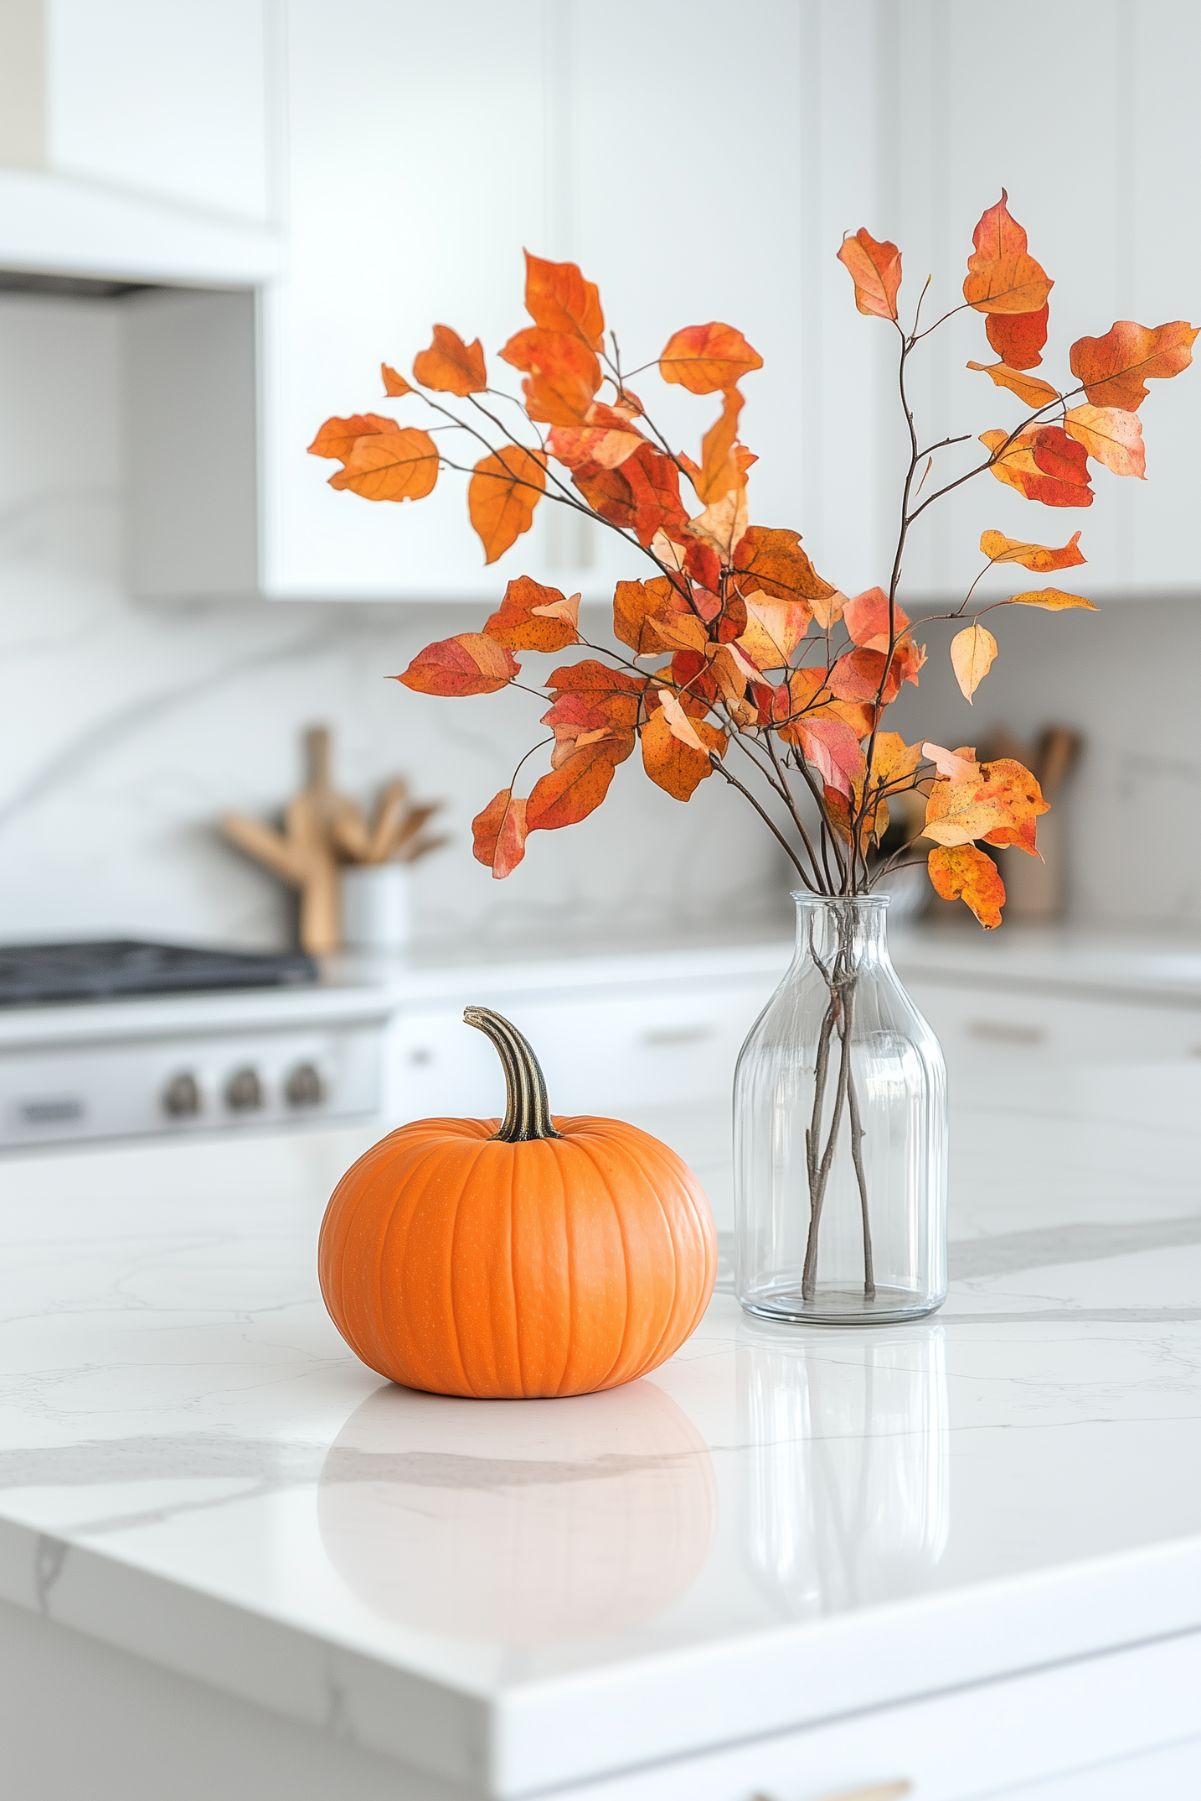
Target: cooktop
x,y
112,968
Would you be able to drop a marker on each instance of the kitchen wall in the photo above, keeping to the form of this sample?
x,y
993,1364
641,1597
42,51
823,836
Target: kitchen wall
x,y
127,728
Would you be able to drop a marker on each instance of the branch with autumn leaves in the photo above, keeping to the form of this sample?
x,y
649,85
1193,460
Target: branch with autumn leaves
x,y
734,657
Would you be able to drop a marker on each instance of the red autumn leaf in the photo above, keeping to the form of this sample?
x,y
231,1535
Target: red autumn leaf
x,y
398,464
563,374
642,497
1116,368
470,663
394,382
573,790
961,872
866,619
1042,558
1002,277
875,269
998,803
1018,338
832,748
1030,388
498,833
1110,435
614,696
338,437
558,298
860,674
673,764
501,496
706,358
1042,463
450,365
532,617
606,437
770,560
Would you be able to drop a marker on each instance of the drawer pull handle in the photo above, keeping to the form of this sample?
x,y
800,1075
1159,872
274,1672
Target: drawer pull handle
x,y
1003,1031
421,1054
661,1035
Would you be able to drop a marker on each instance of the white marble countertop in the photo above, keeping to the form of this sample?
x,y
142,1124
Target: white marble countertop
x,y
777,1527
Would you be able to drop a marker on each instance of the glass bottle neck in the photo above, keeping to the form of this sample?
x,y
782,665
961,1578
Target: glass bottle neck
x,y
848,932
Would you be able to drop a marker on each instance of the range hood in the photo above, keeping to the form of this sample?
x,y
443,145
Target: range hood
x,y
109,169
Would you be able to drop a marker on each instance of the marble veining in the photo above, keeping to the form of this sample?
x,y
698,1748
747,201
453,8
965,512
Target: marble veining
x,y
193,1466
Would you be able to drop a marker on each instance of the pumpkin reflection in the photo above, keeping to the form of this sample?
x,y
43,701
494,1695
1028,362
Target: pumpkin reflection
x,y
847,1497
566,1519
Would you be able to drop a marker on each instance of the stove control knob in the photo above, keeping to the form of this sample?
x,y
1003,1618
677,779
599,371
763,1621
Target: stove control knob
x,y
244,1090
181,1096
305,1086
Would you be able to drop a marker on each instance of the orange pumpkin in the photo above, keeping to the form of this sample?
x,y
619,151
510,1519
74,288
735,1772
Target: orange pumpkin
x,y
536,1256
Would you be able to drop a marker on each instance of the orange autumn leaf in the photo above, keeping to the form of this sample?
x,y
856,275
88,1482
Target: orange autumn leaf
x,y
499,832
958,764
563,374
998,803
961,872
398,464
867,675
558,298
1043,464
720,470
1030,388
894,763
533,617
338,437
1110,435
451,366
722,524
1018,338
1051,600
1002,276
773,630
669,759
770,560
655,616
470,663
642,496
875,269
810,696
1041,558
1116,368
706,358
605,436
973,652
573,790
394,382
501,496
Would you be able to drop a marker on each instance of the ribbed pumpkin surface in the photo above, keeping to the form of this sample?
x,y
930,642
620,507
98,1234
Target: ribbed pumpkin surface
x,y
455,1262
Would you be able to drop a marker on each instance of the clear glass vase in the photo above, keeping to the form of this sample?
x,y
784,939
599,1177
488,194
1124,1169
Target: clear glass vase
x,y
840,1134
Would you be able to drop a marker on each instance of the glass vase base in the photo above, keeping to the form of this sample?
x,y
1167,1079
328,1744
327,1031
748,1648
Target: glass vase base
x,y
840,1307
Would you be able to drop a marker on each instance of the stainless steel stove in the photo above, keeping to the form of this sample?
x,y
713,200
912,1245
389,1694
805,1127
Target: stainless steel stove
x,y
119,1038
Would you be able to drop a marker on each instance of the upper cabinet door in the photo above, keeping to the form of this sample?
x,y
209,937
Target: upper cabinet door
x,y
417,170
168,101
1082,110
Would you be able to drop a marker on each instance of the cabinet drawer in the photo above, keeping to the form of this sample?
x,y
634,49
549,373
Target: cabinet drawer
x,y
601,1052
978,1026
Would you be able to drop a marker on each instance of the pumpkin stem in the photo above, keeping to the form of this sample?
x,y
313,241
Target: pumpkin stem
x,y
527,1110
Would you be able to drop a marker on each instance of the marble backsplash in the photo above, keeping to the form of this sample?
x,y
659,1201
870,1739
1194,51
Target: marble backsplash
x,y
127,728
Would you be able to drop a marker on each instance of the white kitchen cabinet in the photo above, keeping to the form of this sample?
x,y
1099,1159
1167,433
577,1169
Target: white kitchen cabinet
x,y
981,109
164,101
